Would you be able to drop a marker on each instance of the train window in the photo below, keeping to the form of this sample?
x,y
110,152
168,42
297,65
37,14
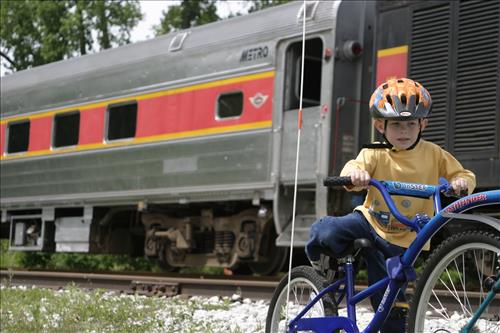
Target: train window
x,y
66,129
122,120
230,105
18,137
312,74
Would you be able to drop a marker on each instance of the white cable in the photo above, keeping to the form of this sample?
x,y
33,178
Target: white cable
x,y
299,129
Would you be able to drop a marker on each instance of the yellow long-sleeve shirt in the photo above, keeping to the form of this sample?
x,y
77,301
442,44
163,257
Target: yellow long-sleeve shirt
x,y
424,164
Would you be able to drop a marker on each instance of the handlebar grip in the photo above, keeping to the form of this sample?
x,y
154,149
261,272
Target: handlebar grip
x,y
337,181
451,193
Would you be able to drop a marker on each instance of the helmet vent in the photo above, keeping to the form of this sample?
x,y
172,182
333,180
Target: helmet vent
x,y
385,86
400,81
417,99
403,99
389,99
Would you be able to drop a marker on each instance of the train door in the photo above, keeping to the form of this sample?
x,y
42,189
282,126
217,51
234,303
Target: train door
x,y
311,103
289,60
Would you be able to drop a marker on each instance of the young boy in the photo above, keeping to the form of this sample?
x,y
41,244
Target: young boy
x,y
400,108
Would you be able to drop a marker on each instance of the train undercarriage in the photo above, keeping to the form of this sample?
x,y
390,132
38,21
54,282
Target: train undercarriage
x,y
233,235
247,237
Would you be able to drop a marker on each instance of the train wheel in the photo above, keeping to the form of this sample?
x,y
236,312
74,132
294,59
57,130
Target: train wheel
x,y
166,266
276,261
162,259
275,256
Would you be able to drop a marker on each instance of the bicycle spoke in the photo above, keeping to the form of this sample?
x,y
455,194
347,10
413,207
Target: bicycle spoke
x,y
452,284
442,310
464,309
479,276
462,276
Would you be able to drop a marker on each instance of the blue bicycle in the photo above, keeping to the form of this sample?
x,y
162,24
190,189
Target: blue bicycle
x,y
455,292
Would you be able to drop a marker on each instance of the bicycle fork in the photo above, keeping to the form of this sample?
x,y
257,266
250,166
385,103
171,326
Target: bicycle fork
x,y
489,297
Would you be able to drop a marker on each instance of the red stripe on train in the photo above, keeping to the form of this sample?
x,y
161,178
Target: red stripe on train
x,y
194,110
92,126
3,137
40,134
180,112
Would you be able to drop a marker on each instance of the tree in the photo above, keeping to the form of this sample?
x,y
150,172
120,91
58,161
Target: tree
x,y
103,18
123,15
262,4
190,13
33,33
186,15
79,27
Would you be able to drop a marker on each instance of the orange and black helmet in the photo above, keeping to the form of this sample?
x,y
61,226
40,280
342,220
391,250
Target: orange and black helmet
x,y
400,99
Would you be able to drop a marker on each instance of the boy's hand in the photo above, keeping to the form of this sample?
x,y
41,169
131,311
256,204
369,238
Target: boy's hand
x,y
460,186
360,177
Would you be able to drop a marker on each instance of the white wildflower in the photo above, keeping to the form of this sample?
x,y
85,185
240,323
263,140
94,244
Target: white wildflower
x,y
29,316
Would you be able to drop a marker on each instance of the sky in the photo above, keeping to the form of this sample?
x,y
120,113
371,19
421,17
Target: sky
x,y
152,10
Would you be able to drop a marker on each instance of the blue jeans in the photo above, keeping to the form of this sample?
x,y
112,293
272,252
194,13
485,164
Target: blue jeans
x,y
337,232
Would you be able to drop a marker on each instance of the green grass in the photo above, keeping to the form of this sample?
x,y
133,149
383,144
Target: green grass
x,y
73,310
72,261
84,261
9,259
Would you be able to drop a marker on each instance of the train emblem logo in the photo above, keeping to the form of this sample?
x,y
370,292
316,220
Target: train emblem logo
x,y
258,100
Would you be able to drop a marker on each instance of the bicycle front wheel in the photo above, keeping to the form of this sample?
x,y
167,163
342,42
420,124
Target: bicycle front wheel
x,y
450,288
305,284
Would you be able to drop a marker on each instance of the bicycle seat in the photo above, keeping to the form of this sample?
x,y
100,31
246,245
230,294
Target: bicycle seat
x,y
358,244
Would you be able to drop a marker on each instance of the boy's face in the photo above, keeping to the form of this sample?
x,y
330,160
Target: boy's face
x,y
401,133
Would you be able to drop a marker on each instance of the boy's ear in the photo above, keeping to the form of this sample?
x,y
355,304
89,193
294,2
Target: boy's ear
x,y
423,123
379,125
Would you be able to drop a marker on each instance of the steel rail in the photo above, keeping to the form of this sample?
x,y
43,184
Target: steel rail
x,y
154,284
146,284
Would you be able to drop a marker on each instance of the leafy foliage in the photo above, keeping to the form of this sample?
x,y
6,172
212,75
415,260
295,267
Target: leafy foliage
x,y
34,33
195,13
86,262
186,15
72,261
262,4
31,32
122,15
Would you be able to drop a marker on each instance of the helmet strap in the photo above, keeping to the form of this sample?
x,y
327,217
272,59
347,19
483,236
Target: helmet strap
x,y
418,137
389,145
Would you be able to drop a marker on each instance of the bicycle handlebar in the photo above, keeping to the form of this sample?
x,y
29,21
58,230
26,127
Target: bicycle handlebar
x,y
334,181
388,188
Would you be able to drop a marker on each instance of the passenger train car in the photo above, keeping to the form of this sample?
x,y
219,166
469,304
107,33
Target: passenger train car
x,y
182,148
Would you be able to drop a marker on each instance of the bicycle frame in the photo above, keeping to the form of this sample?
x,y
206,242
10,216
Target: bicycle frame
x,y
400,268
489,298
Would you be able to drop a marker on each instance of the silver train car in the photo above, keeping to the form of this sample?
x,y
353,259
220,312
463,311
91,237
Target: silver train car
x,y
182,148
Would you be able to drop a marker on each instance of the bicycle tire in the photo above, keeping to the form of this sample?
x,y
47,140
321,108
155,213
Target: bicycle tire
x,y
459,264
305,283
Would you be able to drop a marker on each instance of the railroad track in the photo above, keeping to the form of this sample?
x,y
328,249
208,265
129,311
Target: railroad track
x,y
170,285
150,284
